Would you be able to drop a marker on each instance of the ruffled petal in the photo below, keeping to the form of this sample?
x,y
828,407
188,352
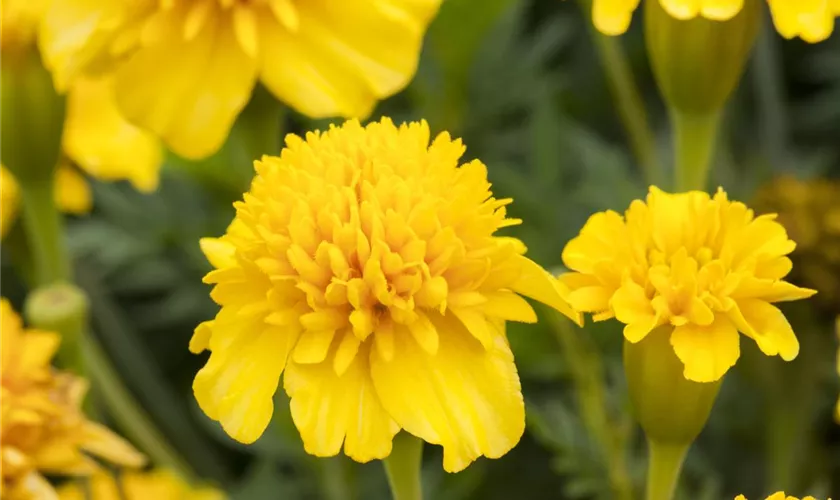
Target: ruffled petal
x,y
237,385
330,409
208,80
767,325
465,398
72,192
103,143
707,352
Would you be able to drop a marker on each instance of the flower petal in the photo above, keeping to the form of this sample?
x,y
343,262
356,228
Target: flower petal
x,y
707,352
329,409
536,283
633,308
237,384
72,193
767,325
103,143
465,398
208,80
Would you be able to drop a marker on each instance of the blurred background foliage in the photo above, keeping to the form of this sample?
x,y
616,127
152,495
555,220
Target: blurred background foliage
x,y
523,83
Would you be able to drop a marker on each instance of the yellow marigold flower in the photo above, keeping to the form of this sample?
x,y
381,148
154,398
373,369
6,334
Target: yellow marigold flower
x,y
705,265
364,262
185,69
157,484
42,429
812,20
779,495
810,212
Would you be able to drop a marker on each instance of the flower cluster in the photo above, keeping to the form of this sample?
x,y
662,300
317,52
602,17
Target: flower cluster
x,y
706,266
43,429
364,262
812,21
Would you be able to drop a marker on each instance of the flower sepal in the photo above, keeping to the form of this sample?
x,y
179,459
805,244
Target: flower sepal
x,y
670,408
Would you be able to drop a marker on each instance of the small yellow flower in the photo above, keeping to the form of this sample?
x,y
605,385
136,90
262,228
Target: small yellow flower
x,y
811,20
706,266
364,262
185,69
157,484
779,495
43,429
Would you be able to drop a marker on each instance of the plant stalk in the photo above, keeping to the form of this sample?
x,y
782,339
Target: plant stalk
x,y
403,467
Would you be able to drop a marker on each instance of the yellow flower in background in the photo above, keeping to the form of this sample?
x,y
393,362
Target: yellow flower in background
x,y
810,212
705,265
364,263
42,429
185,69
811,20
157,484
96,137
779,495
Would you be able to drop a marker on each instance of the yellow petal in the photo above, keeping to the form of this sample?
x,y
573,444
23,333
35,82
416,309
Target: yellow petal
x,y
633,308
767,325
330,409
72,193
707,352
237,384
311,82
37,350
103,143
219,252
208,80
9,200
536,283
465,398
612,17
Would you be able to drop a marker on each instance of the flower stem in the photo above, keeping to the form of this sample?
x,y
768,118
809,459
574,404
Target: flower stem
x,y
694,145
43,226
628,99
664,465
403,467
61,308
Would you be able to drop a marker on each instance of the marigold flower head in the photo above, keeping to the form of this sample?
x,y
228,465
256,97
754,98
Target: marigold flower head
x,y
185,69
705,265
779,495
364,262
812,20
42,428
158,484
810,212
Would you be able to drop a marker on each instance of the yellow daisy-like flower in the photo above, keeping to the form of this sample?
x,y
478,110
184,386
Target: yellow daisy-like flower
x,y
157,484
42,429
705,265
185,69
364,263
811,20
779,495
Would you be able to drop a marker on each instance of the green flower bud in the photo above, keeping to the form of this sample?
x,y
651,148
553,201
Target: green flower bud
x,y
671,409
697,63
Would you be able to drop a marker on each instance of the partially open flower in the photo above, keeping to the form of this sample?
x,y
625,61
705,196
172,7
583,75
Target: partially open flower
x,y
43,429
364,262
706,266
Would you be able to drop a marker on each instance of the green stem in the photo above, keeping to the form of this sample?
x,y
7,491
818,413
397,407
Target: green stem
x,y
43,224
694,145
664,465
402,467
61,308
130,416
628,99
336,478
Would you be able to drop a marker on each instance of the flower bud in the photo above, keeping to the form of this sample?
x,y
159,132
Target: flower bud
x,y
32,114
698,62
670,408
61,308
